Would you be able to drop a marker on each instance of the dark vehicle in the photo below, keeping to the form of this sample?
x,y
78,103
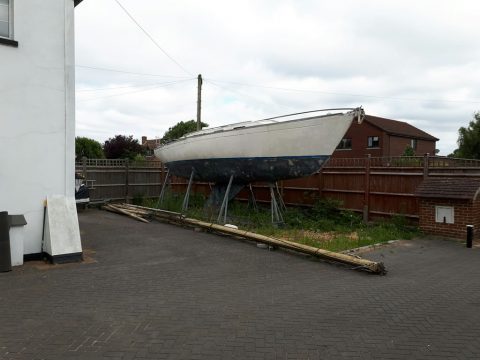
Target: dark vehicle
x,y
82,194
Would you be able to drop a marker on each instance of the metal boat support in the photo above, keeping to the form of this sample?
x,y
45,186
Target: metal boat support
x,y
277,205
187,194
224,207
251,198
164,186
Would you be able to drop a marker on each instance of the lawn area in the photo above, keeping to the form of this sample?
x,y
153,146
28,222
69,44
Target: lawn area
x,y
324,225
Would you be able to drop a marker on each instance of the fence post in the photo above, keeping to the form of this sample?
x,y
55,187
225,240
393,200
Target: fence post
x,y
84,168
126,180
366,205
425,165
162,176
320,184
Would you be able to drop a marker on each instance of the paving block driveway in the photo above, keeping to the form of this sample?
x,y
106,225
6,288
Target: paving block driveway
x,y
156,291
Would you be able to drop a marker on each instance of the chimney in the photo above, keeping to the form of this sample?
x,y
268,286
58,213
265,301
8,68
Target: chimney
x,y
144,140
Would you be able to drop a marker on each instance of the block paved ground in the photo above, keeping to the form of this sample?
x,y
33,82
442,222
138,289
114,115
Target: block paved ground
x,y
156,291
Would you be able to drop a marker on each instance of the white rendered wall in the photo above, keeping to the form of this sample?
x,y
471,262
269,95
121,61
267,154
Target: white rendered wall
x,y
37,118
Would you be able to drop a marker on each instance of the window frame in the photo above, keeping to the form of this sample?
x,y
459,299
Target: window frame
x,y
372,146
9,40
344,142
413,144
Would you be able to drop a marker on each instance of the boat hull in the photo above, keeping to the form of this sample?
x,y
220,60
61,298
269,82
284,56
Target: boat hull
x,y
257,151
246,170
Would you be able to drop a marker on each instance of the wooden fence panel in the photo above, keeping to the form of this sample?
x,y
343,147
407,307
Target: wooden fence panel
x,y
383,186
106,182
120,179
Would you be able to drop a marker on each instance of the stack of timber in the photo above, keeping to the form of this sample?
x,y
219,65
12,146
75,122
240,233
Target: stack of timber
x,y
129,210
141,212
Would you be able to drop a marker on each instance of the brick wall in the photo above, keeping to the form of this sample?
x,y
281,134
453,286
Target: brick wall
x,y
390,145
359,134
398,145
466,213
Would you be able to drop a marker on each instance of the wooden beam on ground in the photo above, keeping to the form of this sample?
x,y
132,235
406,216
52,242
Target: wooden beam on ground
x,y
113,208
359,263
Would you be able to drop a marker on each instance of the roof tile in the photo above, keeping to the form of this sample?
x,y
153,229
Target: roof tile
x,y
396,127
449,188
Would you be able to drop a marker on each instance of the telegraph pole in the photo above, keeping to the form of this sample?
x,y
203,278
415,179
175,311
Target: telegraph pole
x,y
199,103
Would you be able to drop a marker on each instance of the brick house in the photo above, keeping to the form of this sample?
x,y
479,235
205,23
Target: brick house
x,y
448,204
383,137
149,146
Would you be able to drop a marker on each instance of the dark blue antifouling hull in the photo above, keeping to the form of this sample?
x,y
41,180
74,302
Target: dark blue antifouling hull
x,y
246,170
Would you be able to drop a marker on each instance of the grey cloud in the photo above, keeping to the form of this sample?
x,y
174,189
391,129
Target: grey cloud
x,y
421,51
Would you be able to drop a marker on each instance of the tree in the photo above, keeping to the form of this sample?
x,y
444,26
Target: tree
x,y
89,148
180,129
408,151
469,140
122,147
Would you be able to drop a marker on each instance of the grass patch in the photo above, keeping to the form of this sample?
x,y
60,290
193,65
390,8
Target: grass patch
x,y
324,225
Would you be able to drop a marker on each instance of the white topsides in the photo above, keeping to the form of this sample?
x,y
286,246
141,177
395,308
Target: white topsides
x,y
308,136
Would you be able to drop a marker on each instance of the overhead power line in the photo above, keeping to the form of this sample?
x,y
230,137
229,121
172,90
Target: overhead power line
x,y
242,95
136,91
152,39
344,94
128,72
130,86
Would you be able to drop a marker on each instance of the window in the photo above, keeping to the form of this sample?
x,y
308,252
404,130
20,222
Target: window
x,y
345,144
6,19
373,141
413,144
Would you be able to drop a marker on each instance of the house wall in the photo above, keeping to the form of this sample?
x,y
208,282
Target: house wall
x,y
359,134
390,145
398,145
465,213
37,124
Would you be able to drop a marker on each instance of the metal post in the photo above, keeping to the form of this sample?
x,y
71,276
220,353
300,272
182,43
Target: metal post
x,y
224,207
277,217
162,192
187,194
283,207
469,236
126,180
272,205
5,257
252,197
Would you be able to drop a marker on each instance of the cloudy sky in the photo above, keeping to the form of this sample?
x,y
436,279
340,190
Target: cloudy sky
x,y
416,61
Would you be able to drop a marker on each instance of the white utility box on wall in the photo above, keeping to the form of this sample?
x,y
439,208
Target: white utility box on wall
x,y
444,214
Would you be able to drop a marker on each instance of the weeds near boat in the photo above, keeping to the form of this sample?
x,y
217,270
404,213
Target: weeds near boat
x,y
324,225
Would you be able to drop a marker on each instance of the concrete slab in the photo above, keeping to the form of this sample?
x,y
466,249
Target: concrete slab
x,y
156,291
